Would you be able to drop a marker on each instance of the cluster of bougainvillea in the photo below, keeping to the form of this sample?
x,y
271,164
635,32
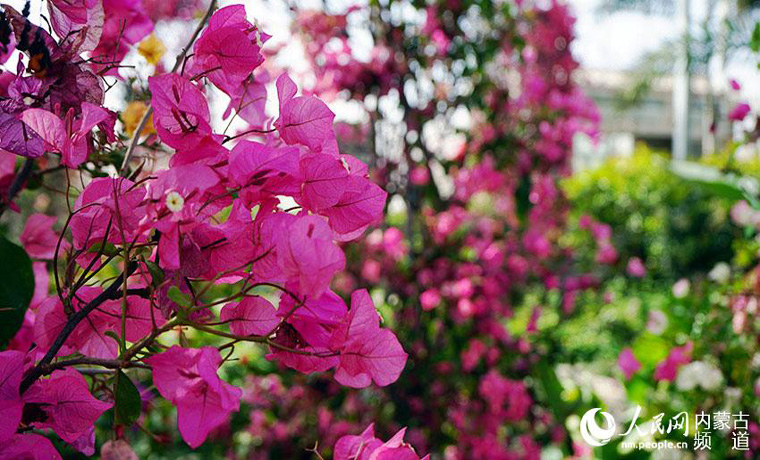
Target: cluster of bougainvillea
x,y
366,445
247,222
455,268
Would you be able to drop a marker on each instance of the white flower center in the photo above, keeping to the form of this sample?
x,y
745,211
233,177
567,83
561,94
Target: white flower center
x,y
174,201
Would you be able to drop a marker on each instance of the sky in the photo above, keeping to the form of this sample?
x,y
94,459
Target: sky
x,y
618,41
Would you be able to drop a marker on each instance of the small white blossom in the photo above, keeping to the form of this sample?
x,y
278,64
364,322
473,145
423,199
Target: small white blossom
x,y
721,273
688,377
699,373
712,378
174,201
681,288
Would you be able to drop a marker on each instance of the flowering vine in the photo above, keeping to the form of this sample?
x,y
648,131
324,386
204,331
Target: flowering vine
x,y
235,236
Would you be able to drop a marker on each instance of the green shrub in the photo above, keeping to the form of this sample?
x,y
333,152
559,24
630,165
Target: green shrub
x,y
675,226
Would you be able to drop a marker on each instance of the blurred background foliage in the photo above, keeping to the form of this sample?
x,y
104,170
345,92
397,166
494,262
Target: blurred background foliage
x,y
678,228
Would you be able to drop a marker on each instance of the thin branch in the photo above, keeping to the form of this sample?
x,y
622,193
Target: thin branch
x,y
107,363
250,131
110,293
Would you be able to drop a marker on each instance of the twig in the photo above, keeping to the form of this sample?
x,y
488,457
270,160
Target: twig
x,y
110,293
180,59
250,131
107,363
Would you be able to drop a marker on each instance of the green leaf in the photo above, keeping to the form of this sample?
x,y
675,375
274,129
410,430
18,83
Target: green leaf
x,y
16,288
713,181
116,338
552,390
128,402
179,297
754,41
109,249
650,349
156,273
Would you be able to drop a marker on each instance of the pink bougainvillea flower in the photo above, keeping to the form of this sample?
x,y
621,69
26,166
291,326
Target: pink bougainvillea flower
x,y
357,447
16,137
304,120
309,327
354,342
107,200
360,205
86,443
537,244
138,318
180,198
7,168
367,352
28,446
318,357
734,84
68,136
327,310
226,249
668,368
82,19
188,378
396,449
430,299
249,101
181,115
229,49
39,239
324,181
394,244
657,322
263,170
307,254
601,232
636,267
419,175
628,363
472,355
606,254
65,399
89,336
498,391
745,215
253,315
739,112
125,24
367,447
11,406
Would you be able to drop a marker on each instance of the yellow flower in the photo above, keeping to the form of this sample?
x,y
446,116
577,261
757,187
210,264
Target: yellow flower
x,y
152,49
132,115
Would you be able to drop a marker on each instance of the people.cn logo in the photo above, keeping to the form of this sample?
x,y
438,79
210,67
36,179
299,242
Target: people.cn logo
x,y
592,433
